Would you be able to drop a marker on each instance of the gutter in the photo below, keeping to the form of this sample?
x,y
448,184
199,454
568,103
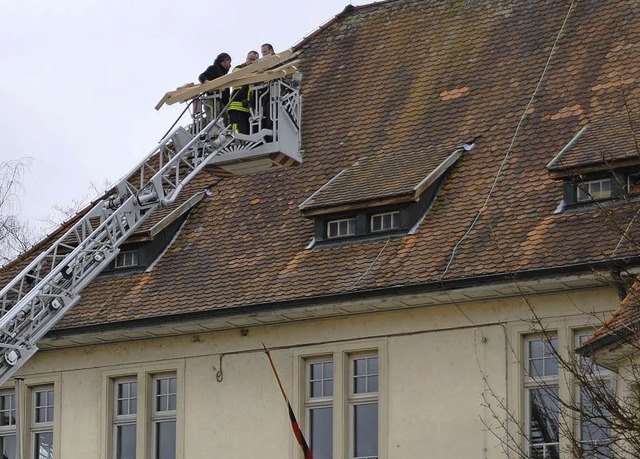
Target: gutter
x,y
479,283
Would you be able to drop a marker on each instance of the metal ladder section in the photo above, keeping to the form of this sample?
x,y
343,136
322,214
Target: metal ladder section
x,y
50,285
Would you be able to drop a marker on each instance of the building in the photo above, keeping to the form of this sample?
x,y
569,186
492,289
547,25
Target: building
x,y
452,225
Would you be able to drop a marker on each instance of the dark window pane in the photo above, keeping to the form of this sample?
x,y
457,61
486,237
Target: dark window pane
x,y
50,414
359,385
8,447
133,389
372,385
327,388
123,390
365,430
126,442
550,366
43,445
536,368
372,365
316,371
133,406
162,386
316,389
544,412
328,370
41,415
173,382
321,432
166,440
172,402
122,407
360,367
535,349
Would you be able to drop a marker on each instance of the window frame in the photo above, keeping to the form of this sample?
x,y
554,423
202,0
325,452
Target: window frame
x,y
120,420
588,195
9,430
36,427
341,353
533,382
158,417
599,373
351,227
394,221
324,401
121,261
144,375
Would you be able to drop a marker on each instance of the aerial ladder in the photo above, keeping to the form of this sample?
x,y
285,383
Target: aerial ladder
x,y
40,295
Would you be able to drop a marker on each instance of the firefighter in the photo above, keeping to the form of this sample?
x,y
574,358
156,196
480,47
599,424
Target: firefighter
x,y
240,108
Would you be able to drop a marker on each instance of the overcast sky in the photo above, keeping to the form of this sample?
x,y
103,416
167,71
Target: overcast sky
x,y
80,79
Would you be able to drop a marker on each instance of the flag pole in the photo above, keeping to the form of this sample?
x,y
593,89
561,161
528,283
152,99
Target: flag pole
x,y
292,417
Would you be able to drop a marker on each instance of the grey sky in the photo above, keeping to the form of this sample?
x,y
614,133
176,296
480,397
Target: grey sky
x,y
80,78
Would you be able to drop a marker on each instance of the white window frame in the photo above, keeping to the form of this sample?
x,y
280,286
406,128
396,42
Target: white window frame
x,y
369,396
145,376
387,221
533,382
42,427
163,416
120,420
9,430
342,355
343,227
600,374
586,191
126,259
323,401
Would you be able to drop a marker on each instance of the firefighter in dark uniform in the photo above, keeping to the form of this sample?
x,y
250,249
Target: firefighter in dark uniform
x,y
220,67
240,107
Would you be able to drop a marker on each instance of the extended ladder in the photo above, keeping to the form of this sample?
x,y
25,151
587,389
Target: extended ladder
x,y
50,285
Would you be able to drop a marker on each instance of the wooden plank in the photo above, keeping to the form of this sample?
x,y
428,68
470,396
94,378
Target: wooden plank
x,y
184,94
279,72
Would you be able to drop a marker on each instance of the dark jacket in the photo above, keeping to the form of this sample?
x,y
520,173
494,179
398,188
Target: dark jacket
x,y
215,71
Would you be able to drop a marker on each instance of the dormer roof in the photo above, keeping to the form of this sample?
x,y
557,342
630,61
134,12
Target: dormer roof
x,y
383,178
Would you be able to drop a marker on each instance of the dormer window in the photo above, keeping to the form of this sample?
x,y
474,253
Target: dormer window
x,y
594,190
341,228
385,221
126,259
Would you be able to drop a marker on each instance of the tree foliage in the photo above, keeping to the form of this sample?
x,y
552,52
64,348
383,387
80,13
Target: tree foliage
x,y
15,236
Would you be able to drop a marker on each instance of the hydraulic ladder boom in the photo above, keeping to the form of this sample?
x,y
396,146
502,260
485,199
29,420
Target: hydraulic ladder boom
x,y
32,303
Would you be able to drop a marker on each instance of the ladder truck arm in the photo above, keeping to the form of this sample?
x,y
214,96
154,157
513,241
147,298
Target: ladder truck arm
x,y
40,295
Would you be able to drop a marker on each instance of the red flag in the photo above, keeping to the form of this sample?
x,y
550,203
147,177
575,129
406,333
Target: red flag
x,y
292,417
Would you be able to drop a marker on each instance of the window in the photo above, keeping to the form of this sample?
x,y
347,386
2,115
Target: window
x,y
126,259
363,401
319,405
124,418
144,412
357,387
594,189
164,417
541,397
385,222
340,228
595,419
42,423
8,425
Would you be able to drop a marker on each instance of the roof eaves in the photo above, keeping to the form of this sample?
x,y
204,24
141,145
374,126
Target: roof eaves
x,y
390,199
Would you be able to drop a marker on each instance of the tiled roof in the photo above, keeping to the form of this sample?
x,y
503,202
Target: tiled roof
x,y
624,322
384,174
398,78
609,140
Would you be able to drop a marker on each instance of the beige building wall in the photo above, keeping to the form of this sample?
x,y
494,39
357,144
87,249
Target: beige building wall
x,y
436,365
